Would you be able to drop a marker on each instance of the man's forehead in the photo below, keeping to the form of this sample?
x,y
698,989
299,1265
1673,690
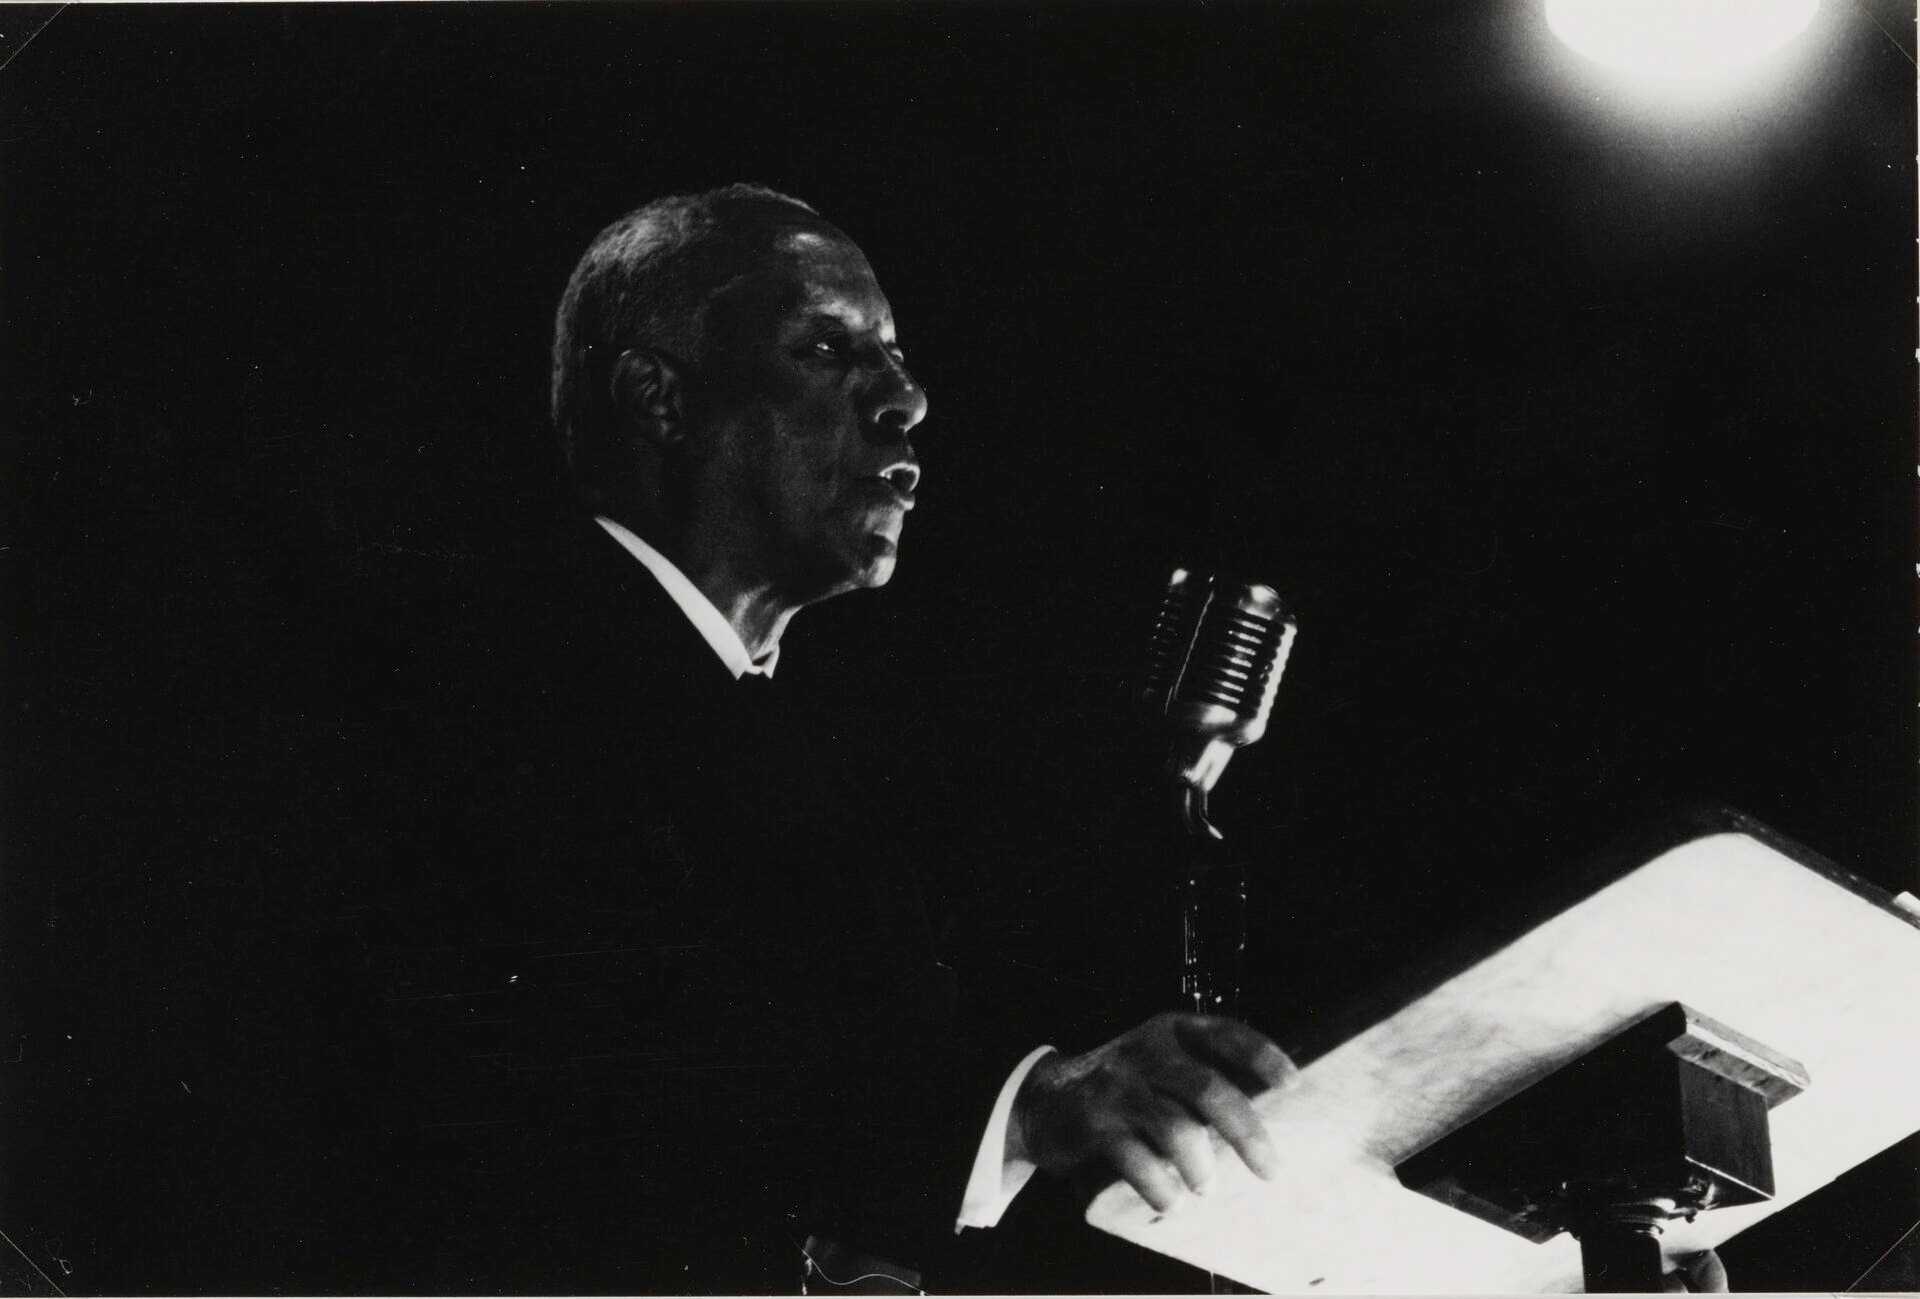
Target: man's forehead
x,y
808,269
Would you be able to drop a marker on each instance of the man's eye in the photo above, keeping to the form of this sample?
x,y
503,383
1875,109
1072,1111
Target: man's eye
x,y
843,348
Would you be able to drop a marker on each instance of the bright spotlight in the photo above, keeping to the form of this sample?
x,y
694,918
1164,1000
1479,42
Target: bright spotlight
x,y
1679,43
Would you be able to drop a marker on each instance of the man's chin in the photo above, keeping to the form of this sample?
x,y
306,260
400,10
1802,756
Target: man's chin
x,y
859,564
882,554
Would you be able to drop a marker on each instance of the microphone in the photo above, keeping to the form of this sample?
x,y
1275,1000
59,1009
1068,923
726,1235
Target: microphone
x,y
1213,668
1214,663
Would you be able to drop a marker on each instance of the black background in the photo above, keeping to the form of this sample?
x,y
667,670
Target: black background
x,y
1578,431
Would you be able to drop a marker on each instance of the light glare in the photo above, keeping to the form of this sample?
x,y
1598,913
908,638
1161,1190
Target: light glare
x,y
1679,43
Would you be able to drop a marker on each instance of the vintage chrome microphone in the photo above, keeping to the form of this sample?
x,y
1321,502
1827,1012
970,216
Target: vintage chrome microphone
x,y
1214,663
1213,669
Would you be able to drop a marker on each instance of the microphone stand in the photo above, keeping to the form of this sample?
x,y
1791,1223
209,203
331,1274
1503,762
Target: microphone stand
x,y
1213,913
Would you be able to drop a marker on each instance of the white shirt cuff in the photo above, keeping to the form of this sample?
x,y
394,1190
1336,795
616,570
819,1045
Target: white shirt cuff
x,y
995,1179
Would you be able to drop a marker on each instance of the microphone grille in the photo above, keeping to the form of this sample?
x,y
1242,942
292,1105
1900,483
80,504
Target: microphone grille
x,y
1215,655
1236,651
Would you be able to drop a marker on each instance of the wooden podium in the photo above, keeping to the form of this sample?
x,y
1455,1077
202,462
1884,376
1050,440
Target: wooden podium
x,y
1765,945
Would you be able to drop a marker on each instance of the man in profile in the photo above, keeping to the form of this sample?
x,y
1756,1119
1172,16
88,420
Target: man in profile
x,y
656,1002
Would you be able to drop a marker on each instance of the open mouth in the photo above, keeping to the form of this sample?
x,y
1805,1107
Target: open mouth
x,y
903,476
896,485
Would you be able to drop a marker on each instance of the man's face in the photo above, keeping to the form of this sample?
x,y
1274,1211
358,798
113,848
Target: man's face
x,y
807,404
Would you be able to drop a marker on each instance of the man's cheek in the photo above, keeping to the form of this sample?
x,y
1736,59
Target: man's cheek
x,y
809,417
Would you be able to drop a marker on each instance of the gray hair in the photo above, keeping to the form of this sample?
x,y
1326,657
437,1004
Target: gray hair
x,y
649,278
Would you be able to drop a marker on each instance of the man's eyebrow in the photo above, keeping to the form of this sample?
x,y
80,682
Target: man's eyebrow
x,y
848,317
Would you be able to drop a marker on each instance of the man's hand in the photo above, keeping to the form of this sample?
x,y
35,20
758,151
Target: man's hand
x,y
1143,1106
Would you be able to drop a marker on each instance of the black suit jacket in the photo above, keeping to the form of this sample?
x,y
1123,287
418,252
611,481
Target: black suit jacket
x,y
627,980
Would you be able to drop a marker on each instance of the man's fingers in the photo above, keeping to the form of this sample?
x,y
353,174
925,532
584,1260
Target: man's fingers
x,y
1175,1134
1224,1107
1146,1173
1243,1050
1227,1110
1146,1106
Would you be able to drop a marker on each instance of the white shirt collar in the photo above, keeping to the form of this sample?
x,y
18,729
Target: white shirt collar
x,y
706,619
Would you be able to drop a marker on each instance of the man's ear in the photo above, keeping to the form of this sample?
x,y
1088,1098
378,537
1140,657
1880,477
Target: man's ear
x,y
648,396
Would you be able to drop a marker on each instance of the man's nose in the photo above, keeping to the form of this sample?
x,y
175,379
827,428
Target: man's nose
x,y
899,404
